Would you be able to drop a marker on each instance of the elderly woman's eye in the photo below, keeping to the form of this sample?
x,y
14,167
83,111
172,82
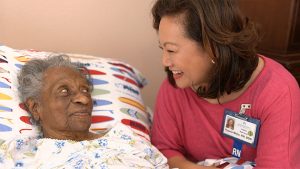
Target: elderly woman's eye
x,y
64,91
85,90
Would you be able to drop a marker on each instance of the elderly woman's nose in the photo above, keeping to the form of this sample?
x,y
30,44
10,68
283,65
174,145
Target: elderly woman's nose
x,y
81,98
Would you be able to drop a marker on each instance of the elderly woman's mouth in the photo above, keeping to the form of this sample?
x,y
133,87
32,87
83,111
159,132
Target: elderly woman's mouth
x,y
81,114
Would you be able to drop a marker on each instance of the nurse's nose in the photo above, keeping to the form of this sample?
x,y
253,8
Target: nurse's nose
x,y
166,59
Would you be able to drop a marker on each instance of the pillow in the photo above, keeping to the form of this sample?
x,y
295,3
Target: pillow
x,y
116,95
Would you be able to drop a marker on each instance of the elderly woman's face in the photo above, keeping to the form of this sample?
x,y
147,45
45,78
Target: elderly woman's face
x,y
66,102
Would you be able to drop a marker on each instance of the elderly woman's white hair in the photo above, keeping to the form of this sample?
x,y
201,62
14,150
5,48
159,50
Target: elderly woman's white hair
x,y
30,78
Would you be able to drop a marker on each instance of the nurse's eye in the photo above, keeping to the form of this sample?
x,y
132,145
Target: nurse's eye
x,y
170,51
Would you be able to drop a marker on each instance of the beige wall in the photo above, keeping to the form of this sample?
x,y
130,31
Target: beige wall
x,y
109,28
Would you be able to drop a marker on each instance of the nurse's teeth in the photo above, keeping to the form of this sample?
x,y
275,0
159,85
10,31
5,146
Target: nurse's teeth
x,y
176,71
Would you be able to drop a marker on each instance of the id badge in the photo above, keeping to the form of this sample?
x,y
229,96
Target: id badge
x,y
240,127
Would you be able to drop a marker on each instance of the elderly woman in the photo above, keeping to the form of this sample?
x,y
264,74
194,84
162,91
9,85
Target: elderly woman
x,y
57,93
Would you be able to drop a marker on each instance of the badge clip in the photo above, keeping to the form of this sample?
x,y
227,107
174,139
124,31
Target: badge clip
x,y
243,109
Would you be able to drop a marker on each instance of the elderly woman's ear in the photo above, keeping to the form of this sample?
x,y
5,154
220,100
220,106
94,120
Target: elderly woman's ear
x,y
33,107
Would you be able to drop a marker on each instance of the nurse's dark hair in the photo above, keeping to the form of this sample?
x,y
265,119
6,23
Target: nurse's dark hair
x,y
229,38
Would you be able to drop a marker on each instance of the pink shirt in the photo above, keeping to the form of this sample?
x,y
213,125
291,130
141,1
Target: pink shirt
x,y
187,125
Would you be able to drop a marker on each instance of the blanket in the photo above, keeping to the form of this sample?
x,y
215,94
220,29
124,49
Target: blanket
x,y
117,149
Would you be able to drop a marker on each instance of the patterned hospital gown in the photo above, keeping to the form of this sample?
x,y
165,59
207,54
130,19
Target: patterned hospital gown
x,y
120,148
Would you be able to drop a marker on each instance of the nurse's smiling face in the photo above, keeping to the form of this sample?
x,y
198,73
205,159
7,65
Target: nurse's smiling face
x,y
189,63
